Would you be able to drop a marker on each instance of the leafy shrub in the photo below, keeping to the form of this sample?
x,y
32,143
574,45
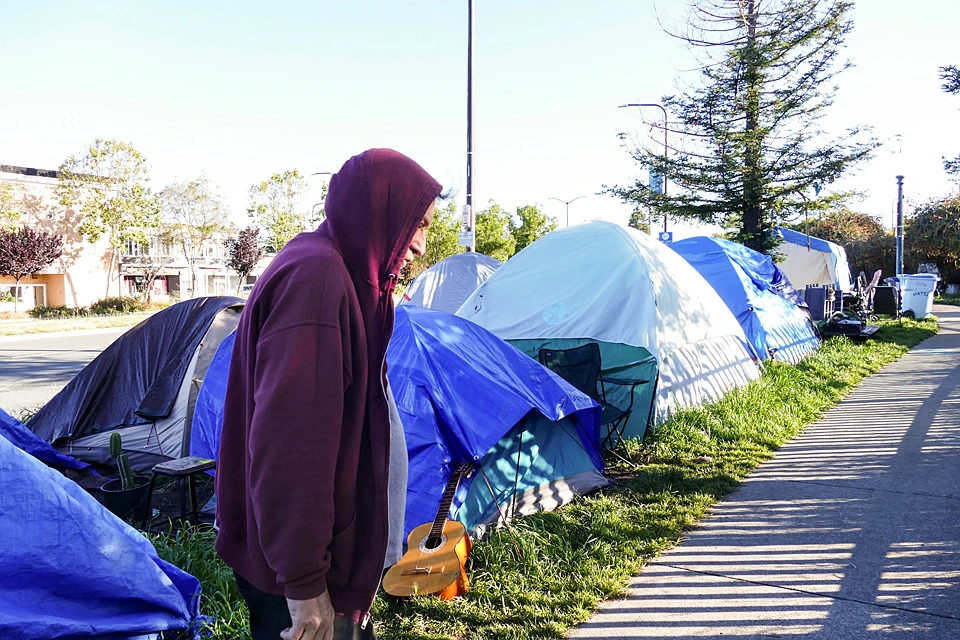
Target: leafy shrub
x,y
61,311
116,305
6,296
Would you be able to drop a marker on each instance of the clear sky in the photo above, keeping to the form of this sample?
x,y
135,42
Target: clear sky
x,y
241,90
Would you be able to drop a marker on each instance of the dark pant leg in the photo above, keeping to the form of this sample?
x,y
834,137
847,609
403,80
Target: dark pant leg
x,y
269,614
346,629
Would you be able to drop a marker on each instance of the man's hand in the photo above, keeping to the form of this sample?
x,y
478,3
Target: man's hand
x,y
312,619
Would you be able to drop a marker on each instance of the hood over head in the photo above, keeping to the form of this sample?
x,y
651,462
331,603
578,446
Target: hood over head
x,y
374,206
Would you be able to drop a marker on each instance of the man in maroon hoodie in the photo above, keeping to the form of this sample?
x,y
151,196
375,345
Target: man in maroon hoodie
x,y
304,456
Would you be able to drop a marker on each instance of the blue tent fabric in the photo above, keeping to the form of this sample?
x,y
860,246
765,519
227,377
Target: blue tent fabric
x,y
460,390
25,440
71,569
128,384
208,413
747,282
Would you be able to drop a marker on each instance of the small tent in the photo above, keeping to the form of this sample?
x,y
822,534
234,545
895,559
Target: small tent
x,y
745,280
812,261
465,395
144,386
648,309
72,569
445,285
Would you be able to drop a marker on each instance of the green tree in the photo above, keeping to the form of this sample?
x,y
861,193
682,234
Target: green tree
x,y
10,209
933,235
107,182
277,206
533,225
951,84
494,239
868,245
750,144
640,220
195,217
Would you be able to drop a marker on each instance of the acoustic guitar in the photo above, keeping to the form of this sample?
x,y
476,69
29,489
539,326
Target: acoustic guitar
x,y
436,557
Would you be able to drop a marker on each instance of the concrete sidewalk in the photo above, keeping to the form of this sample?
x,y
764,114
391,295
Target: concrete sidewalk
x,y
852,531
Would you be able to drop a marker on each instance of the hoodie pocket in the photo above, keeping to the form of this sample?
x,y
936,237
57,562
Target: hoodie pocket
x,y
341,553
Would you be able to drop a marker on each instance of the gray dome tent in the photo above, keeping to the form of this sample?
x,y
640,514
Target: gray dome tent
x,y
447,284
143,386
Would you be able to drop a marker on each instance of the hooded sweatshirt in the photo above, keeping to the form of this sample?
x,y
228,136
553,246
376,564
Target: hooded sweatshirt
x,y
304,454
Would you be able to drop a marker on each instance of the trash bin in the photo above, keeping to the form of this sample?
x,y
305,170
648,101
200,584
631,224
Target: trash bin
x,y
916,291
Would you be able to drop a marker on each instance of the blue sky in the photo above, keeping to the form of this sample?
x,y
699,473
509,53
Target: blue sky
x,y
241,90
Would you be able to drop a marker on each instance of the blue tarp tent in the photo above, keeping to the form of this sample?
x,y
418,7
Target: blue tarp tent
x,y
465,395
71,569
24,439
745,280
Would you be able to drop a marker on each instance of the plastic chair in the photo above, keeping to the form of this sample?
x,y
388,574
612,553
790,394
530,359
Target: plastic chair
x,y
581,367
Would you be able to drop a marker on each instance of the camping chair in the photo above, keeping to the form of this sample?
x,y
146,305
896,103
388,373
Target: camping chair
x,y
581,367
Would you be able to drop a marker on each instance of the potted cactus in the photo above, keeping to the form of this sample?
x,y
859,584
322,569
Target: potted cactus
x,y
127,492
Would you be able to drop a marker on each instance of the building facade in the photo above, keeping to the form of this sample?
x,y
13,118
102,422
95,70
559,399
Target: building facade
x,y
86,272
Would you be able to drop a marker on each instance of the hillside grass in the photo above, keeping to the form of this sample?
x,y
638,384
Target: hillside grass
x,y
555,568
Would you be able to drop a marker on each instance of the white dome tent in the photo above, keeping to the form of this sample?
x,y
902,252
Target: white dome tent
x,y
600,282
445,285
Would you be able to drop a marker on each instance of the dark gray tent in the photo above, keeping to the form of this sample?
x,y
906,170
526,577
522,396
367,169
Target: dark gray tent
x,y
144,386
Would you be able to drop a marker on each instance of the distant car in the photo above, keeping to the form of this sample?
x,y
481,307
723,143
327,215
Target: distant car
x,y
245,289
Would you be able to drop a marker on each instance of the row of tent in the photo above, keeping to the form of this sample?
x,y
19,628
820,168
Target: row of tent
x,y
469,386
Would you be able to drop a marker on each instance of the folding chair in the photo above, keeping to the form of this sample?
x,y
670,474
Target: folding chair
x,y
581,367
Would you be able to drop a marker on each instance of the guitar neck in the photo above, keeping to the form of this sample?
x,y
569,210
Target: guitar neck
x,y
451,491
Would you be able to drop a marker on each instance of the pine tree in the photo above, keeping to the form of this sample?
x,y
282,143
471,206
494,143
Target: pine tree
x,y
750,145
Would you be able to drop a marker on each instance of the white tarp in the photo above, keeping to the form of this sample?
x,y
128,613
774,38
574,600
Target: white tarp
x,y
820,263
445,285
614,284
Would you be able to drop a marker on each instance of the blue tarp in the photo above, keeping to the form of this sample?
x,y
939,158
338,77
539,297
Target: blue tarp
x,y
71,569
208,413
460,390
24,439
751,286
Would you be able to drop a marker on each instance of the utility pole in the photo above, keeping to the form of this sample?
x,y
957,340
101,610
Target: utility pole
x,y
899,225
471,216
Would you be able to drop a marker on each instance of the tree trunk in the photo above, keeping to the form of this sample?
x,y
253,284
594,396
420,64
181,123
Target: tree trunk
x,y
752,223
16,294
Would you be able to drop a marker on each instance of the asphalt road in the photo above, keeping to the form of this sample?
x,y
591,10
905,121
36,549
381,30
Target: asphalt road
x,y
34,368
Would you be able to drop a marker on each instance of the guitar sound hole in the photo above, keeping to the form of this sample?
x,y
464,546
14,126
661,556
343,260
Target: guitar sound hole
x,y
433,543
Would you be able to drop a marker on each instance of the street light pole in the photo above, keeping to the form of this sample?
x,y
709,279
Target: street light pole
x,y
567,202
665,146
471,216
899,225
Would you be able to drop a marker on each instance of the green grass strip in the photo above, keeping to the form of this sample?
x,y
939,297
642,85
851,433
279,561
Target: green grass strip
x,y
948,299
567,561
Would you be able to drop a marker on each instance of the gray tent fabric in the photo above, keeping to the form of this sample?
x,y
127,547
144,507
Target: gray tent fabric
x,y
143,378
446,285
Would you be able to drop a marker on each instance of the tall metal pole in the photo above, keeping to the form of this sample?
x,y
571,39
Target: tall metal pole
x,y
665,146
899,225
471,215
